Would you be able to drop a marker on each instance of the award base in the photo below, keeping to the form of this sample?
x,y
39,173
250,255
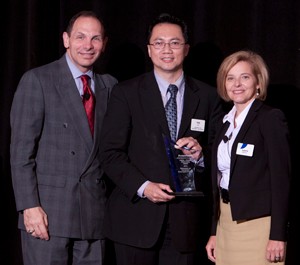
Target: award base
x,y
186,193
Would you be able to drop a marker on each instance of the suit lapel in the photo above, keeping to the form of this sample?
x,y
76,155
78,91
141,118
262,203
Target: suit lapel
x,y
102,95
245,126
152,103
190,104
67,90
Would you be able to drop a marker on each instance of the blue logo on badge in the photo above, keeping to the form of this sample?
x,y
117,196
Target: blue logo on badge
x,y
243,146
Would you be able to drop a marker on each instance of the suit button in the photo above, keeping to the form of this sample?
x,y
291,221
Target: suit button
x,y
72,153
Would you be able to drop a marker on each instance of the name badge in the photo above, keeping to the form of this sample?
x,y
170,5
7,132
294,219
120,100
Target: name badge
x,y
245,149
197,125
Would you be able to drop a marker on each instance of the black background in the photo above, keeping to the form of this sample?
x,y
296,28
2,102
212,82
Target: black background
x,y
32,35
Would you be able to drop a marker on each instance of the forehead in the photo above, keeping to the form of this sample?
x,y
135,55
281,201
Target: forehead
x,y
87,24
166,31
241,66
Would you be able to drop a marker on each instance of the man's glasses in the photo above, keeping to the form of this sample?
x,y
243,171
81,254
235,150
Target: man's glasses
x,y
159,45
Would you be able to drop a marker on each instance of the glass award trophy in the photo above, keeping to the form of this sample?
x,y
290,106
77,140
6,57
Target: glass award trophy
x,y
183,171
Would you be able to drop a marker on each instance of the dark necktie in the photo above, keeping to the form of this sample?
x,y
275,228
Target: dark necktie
x,y
88,100
171,111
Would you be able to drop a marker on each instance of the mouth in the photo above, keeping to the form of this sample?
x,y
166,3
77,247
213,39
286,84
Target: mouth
x,y
236,92
87,55
167,59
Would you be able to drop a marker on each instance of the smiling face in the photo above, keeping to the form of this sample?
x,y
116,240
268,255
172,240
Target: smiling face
x,y
85,43
241,84
167,61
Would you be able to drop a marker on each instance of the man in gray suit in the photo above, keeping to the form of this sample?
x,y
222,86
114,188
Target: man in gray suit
x,y
59,186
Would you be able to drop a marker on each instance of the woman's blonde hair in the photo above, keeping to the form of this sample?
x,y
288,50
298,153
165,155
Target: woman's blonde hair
x,y
258,66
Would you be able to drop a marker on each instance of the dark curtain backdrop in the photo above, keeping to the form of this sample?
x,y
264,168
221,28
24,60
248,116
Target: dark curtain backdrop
x,y
32,32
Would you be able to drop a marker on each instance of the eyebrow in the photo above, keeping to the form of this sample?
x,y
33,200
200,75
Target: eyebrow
x,y
162,38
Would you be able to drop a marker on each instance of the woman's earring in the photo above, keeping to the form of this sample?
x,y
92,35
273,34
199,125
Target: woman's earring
x,y
257,92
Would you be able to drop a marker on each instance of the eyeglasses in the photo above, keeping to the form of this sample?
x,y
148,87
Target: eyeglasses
x,y
159,45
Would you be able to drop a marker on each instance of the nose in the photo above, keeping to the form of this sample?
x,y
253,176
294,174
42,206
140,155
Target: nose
x,y
88,43
237,82
167,46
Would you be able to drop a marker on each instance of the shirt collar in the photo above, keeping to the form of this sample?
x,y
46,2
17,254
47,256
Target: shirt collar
x,y
230,116
163,84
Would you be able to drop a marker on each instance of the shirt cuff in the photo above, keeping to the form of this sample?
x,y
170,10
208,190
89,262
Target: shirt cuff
x,y
140,191
200,161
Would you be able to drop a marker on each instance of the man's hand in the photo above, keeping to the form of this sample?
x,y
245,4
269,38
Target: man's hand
x,y
36,222
156,192
189,146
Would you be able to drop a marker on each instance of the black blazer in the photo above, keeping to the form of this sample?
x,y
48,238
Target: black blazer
x,y
259,185
133,152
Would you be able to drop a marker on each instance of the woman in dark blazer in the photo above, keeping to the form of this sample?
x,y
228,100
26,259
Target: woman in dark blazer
x,y
250,169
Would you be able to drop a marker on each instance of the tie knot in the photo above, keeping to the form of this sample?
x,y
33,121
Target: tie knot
x,y
85,79
173,89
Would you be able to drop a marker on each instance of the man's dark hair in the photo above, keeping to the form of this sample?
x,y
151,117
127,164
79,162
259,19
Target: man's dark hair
x,y
167,18
84,13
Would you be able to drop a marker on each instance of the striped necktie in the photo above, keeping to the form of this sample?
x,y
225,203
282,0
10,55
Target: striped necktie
x,y
171,111
88,100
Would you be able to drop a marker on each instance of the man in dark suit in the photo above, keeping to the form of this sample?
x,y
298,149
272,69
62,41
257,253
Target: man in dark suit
x,y
58,183
148,225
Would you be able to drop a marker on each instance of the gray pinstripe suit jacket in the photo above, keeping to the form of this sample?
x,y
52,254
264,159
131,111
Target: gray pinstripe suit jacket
x,y
54,160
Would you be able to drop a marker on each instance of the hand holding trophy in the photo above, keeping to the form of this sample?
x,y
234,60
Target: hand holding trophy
x,y
183,169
